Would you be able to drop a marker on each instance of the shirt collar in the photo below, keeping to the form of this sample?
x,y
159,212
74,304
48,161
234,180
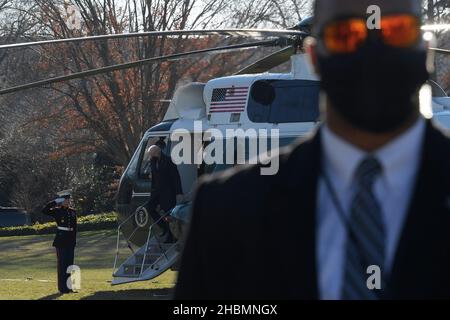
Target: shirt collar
x,y
399,167
341,158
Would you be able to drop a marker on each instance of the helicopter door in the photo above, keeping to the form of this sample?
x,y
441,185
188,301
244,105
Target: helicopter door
x,y
142,183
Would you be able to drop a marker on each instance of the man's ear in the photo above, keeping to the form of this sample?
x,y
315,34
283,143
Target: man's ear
x,y
310,46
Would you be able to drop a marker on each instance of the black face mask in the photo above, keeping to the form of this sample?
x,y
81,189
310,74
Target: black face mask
x,y
376,88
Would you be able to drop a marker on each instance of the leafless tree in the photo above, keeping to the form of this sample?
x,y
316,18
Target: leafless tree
x,y
44,130
269,13
116,109
437,11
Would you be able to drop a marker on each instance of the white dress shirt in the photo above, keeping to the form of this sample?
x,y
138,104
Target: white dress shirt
x,y
400,160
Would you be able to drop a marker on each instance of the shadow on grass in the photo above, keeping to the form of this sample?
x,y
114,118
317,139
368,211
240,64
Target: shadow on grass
x,y
52,296
133,294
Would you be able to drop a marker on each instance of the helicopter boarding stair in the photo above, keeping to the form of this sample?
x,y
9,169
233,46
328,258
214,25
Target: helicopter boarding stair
x,y
148,262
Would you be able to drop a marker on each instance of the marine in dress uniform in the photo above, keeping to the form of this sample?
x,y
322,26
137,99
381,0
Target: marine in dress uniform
x,y
66,234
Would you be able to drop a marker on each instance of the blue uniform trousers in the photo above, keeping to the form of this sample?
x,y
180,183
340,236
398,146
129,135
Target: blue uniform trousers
x,y
65,257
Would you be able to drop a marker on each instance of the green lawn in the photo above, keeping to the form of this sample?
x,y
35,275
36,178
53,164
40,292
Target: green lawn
x,y
28,270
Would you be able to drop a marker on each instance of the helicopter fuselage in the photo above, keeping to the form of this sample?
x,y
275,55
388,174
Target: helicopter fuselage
x,y
285,102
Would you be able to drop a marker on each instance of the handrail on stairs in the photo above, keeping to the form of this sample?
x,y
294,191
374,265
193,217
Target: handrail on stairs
x,y
127,239
150,229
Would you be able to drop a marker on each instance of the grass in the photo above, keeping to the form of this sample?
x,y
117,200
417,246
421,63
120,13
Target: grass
x,y
28,270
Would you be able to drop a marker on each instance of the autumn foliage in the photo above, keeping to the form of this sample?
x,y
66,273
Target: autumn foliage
x,y
80,134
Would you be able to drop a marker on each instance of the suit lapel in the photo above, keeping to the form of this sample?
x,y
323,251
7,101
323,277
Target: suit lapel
x,y
422,252
423,255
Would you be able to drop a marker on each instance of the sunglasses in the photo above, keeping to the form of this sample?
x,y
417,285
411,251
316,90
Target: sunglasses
x,y
347,36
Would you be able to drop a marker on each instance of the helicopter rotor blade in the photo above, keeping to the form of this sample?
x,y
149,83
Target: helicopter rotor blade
x,y
162,101
177,56
269,62
436,27
442,51
225,32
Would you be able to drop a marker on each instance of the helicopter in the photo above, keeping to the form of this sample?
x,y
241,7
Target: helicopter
x,y
252,98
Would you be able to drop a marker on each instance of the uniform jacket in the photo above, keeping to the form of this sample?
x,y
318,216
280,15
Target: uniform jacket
x,y
64,217
254,236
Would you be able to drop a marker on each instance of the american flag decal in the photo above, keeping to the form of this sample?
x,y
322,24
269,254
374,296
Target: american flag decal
x,y
226,100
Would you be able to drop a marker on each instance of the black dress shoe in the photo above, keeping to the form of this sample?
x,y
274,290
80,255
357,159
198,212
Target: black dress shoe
x,y
168,238
66,292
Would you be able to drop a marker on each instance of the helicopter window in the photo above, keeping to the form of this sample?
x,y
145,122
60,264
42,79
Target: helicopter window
x,y
218,167
293,101
287,141
205,168
235,117
145,158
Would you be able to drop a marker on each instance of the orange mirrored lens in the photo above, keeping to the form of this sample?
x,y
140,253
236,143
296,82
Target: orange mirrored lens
x,y
345,36
401,31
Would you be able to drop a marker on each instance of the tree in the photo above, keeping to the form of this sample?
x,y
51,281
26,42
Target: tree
x,y
438,12
111,112
107,114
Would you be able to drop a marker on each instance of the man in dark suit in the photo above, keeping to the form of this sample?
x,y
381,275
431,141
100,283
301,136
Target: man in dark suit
x,y
66,236
166,188
361,209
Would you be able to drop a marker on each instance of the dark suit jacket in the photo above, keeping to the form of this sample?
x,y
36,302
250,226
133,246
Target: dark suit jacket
x,y
254,237
166,182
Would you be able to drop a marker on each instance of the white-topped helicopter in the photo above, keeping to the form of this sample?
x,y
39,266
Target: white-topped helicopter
x,y
241,102
250,99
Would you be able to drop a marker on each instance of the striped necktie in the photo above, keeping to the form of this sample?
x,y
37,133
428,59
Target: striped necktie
x,y
366,241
